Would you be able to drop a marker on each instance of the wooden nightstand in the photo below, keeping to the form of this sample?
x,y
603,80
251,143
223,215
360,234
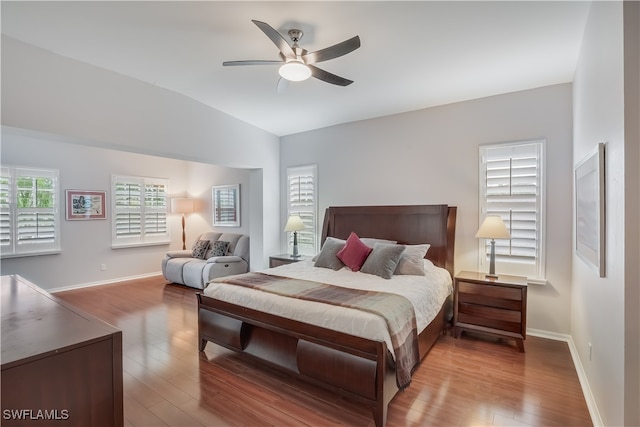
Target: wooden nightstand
x,y
282,259
493,306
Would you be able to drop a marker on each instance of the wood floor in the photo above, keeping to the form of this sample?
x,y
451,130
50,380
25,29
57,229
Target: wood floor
x,y
469,381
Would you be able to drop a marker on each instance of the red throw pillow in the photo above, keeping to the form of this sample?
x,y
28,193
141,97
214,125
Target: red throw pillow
x,y
354,253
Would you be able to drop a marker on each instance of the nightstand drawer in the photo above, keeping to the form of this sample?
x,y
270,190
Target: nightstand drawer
x,y
478,299
506,320
500,292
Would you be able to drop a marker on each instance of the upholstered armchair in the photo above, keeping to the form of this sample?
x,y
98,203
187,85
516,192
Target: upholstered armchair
x,y
213,255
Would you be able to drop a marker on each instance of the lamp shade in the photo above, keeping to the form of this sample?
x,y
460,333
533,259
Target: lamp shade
x,y
493,228
294,71
294,223
182,205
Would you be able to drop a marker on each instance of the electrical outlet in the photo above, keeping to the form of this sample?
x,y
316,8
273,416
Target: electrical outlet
x,y
103,267
590,351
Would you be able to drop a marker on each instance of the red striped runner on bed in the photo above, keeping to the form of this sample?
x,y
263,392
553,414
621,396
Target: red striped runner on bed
x,y
396,310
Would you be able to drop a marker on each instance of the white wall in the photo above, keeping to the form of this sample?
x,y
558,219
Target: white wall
x,y
87,244
431,156
600,314
45,92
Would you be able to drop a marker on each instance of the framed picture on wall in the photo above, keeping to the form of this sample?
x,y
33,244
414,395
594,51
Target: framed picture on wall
x,y
590,209
86,204
226,205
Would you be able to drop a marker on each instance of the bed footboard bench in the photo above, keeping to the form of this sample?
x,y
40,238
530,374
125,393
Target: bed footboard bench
x,y
355,368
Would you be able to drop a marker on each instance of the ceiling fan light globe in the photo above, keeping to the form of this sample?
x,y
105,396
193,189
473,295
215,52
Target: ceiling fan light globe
x,y
294,71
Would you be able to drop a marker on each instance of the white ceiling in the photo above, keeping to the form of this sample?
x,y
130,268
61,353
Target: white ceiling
x,y
413,55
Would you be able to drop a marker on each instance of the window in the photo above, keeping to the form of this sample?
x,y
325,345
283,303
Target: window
x,y
139,211
302,191
512,187
29,211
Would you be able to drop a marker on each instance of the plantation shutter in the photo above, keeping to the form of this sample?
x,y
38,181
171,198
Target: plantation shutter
x,y
302,194
127,200
225,205
5,209
155,200
29,211
139,210
512,188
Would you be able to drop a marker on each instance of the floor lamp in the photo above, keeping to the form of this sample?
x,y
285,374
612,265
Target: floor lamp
x,y
493,228
182,206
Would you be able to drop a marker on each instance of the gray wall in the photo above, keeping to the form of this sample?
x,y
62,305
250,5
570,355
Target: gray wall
x,y
431,156
87,244
45,92
605,310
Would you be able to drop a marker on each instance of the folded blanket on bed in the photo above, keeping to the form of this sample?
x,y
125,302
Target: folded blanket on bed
x,y
396,310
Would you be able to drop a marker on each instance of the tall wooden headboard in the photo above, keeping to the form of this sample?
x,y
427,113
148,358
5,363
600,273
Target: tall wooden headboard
x,y
408,224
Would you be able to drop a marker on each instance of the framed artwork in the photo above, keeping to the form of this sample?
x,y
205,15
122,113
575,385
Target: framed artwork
x,y
86,204
226,205
590,209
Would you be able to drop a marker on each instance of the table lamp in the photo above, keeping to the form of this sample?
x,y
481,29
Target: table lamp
x,y
493,228
295,224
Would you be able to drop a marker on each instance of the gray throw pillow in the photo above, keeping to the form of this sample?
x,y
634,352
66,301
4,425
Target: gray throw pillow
x,y
382,261
200,249
412,260
327,258
219,248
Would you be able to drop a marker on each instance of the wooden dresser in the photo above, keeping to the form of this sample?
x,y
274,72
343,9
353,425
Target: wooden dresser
x,y
60,366
496,306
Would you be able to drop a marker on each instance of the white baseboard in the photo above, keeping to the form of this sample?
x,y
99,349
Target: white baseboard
x,y
103,282
582,376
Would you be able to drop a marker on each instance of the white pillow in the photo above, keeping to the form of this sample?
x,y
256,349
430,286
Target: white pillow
x,y
411,262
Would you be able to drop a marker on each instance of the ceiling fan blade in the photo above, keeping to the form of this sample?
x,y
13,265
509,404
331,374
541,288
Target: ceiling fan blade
x,y
334,51
282,86
252,62
276,38
328,77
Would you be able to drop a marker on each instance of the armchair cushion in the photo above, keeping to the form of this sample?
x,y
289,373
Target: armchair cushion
x,y
180,254
222,259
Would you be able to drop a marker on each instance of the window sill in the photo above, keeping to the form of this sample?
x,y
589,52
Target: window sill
x,y
136,245
28,254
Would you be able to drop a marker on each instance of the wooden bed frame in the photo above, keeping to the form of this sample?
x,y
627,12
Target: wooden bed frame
x,y
353,367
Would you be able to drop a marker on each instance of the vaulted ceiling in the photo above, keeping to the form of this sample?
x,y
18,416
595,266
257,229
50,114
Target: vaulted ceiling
x,y
413,55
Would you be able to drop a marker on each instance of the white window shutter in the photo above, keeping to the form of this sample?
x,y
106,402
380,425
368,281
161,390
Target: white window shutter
x,y
29,211
302,201
512,187
140,207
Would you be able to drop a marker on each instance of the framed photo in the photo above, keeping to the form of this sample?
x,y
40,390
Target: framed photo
x,y
86,204
590,209
226,205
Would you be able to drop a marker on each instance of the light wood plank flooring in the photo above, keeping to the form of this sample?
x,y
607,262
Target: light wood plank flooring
x,y
471,381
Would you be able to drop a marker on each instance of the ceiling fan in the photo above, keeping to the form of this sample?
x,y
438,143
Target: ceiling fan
x,y
297,63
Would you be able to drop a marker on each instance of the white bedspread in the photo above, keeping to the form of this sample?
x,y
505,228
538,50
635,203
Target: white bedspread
x,y
426,293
